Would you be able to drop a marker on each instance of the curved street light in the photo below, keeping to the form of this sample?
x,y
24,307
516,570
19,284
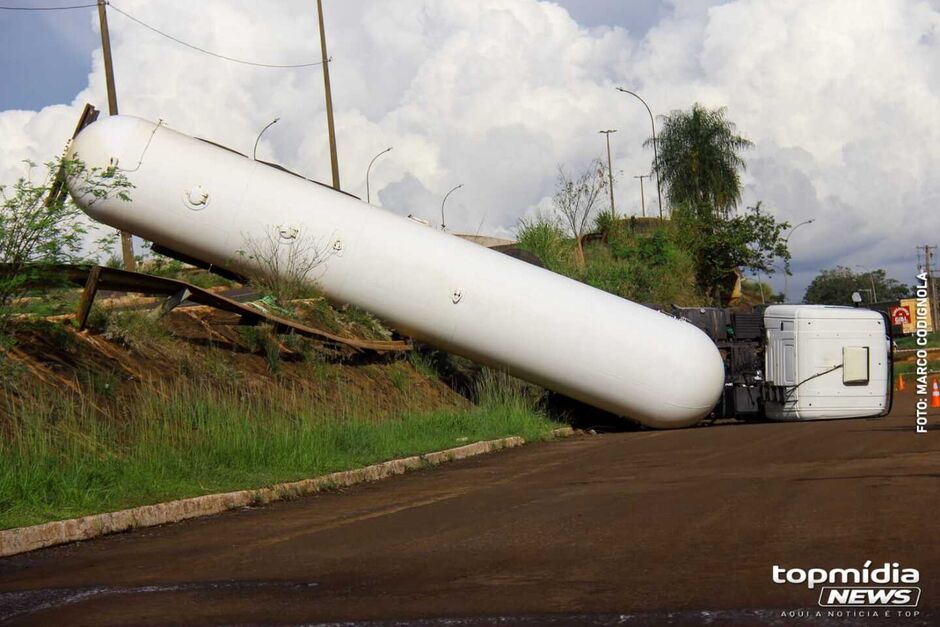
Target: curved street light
x,y
445,200
786,275
659,193
369,169
254,152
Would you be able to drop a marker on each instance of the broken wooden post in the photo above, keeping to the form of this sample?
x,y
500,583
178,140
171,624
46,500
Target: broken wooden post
x,y
88,296
170,303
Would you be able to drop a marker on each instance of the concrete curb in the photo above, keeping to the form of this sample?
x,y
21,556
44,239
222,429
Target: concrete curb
x,y
23,539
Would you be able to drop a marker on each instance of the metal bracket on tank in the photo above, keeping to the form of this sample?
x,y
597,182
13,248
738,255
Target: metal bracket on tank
x,y
196,198
456,296
88,116
337,248
287,234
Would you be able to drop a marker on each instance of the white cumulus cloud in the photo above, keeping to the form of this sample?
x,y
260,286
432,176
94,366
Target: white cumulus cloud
x,y
841,98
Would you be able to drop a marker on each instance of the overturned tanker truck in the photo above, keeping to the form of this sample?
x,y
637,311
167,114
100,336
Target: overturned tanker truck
x,y
200,201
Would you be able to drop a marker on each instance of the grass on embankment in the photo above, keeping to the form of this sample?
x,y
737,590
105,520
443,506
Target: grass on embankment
x,y
59,458
910,341
910,367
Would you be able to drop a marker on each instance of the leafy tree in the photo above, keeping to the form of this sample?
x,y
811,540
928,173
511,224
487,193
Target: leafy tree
x,y
699,164
40,224
699,159
721,245
834,286
575,199
755,292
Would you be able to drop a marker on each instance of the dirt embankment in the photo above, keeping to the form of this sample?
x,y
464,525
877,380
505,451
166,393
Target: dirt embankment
x,y
125,353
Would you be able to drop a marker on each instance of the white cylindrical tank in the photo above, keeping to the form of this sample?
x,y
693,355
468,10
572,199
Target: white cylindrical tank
x,y
206,201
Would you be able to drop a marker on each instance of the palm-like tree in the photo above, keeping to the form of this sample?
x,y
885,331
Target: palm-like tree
x,y
699,159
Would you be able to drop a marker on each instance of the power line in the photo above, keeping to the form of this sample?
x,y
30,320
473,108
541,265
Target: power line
x,y
168,36
209,52
67,8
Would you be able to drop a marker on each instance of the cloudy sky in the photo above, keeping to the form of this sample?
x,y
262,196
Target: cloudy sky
x,y
841,98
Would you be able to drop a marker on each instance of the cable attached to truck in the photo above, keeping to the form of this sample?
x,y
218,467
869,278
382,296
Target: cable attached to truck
x,y
819,374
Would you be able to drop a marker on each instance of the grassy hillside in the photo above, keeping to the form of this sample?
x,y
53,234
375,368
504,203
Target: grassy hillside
x,y
641,259
637,259
136,411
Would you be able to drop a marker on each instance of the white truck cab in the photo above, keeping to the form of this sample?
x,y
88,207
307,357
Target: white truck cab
x,y
824,362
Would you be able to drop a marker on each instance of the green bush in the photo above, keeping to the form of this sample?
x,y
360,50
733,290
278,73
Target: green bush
x,y
399,378
423,363
40,225
136,330
606,222
496,389
262,339
543,236
159,265
644,267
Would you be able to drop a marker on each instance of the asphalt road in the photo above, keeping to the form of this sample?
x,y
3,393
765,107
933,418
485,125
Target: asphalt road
x,y
631,528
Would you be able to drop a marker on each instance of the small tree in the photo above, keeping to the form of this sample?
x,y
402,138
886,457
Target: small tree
x,y
281,262
40,223
576,198
754,292
834,286
721,245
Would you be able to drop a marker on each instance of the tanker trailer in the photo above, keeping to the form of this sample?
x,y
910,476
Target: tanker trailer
x,y
205,201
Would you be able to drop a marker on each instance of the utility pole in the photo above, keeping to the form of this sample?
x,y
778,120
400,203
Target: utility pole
x,y
642,194
334,161
610,171
931,286
127,243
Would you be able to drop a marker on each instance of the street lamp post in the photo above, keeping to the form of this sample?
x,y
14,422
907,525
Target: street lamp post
x,y
443,227
871,278
368,170
659,193
786,275
610,171
254,151
760,286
